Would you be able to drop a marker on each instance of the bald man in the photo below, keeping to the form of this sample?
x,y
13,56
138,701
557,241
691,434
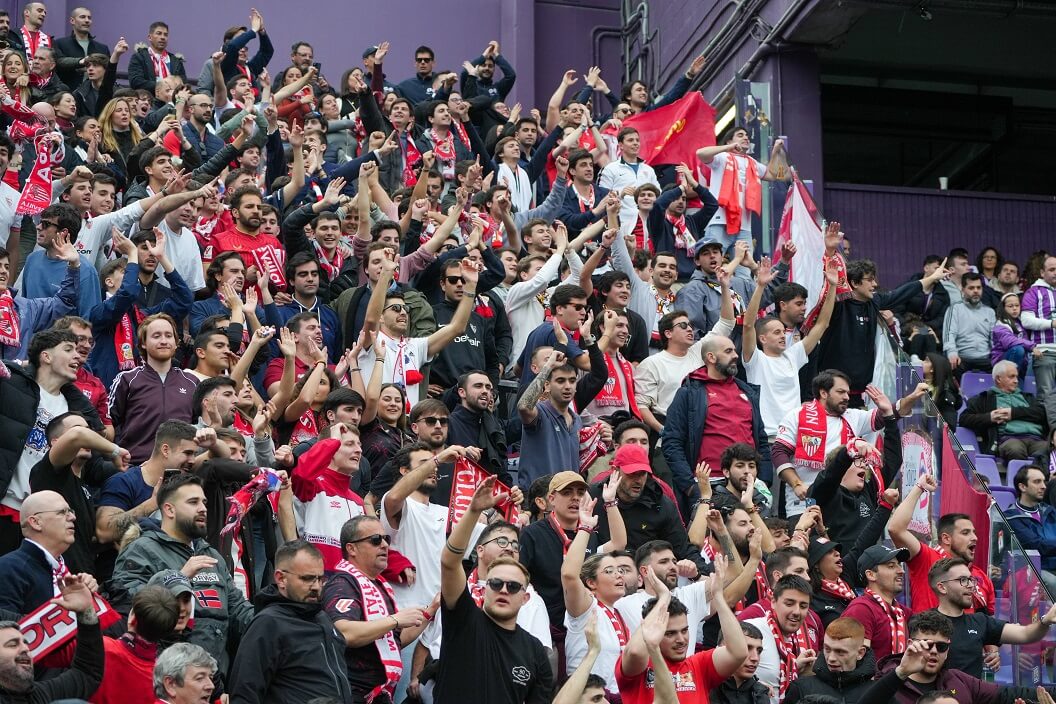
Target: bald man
x,y
711,411
32,573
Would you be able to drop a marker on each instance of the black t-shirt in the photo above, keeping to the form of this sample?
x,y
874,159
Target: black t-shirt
x,y
79,557
343,600
542,553
480,661
970,633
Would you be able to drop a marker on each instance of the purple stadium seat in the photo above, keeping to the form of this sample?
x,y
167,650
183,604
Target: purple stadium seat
x,y
986,467
1003,496
975,383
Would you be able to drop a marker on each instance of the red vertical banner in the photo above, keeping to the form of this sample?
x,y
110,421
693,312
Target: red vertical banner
x,y
959,496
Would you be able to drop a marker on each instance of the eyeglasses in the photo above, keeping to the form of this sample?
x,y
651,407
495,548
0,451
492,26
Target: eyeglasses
x,y
397,307
503,542
49,223
939,646
85,340
682,326
422,59
963,581
67,511
307,578
433,420
455,280
374,540
625,569
512,586
610,571
579,307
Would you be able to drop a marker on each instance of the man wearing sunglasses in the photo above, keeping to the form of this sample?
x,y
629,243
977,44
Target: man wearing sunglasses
x,y
46,268
952,581
924,668
362,605
484,656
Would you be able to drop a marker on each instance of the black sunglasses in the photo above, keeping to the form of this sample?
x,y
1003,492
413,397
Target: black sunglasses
x,y
455,280
374,540
397,307
940,646
512,586
423,59
433,420
49,223
683,325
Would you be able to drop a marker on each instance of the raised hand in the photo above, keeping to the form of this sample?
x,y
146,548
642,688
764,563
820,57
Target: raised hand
x,y
383,50
832,272
833,236
569,79
587,519
788,251
65,249
702,472
158,248
470,272
697,66
75,595
878,397
927,483
717,579
608,492
287,343
914,659
485,498
587,324
590,632
765,274
805,660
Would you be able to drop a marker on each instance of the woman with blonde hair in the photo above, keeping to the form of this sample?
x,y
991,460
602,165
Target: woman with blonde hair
x,y
16,76
120,133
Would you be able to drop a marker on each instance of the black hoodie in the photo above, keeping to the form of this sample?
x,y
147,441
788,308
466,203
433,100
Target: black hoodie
x,y
291,653
846,686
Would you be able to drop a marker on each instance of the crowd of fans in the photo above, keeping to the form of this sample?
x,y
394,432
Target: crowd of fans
x,y
259,336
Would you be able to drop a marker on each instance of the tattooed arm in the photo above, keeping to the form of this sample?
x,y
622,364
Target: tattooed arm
x,y
526,406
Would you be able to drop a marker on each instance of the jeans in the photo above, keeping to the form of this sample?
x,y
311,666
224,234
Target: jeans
x,y
1044,371
729,243
1018,356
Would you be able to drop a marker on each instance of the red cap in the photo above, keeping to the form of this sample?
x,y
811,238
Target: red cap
x,y
630,459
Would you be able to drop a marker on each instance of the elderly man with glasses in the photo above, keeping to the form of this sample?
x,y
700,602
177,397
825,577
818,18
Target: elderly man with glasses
x,y
362,605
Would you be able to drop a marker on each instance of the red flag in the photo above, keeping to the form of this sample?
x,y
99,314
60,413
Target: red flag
x,y
958,495
468,476
673,134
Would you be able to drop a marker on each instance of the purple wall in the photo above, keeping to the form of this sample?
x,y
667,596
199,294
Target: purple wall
x,y
898,227
455,29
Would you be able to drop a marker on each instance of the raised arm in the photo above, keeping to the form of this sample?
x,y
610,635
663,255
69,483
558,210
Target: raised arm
x,y
577,597
898,525
452,574
635,657
553,107
748,338
527,405
832,275
442,337
572,691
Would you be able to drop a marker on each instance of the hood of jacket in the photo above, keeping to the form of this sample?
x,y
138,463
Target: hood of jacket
x,y
863,672
271,598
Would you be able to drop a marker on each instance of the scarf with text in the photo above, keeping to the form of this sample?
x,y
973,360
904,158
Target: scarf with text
x,y
306,428
897,621
375,608
813,433
684,239
786,651
37,194
125,339
411,156
611,394
10,331
467,477
730,191
34,40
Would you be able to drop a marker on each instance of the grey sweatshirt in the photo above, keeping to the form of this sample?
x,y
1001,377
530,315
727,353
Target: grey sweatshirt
x,y
966,330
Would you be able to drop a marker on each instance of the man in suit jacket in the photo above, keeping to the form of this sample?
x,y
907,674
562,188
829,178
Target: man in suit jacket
x,y
33,573
70,52
153,61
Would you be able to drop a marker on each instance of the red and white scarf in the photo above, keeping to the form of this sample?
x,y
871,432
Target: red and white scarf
x,y
641,240
306,428
762,585
565,540
457,126
812,435
618,624
476,588
37,194
411,156
160,62
10,331
332,265
444,149
125,339
897,622
837,588
376,608
586,202
786,651
33,41
684,239
612,394
730,191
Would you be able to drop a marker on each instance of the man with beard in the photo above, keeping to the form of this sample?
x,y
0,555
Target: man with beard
x,y
246,237
967,327
550,428
302,273
712,410
922,669
133,494
952,581
646,506
785,656
363,608
220,610
694,674
291,652
658,557
472,423
806,435
846,669
116,321
740,465
81,680
883,618
957,538
157,390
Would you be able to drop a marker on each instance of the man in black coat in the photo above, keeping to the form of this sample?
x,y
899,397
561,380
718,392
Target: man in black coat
x,y
143,67
291,651
70,52
845,669
473,424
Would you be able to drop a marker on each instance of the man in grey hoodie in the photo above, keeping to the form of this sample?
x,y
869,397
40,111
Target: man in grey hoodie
x,y
967,327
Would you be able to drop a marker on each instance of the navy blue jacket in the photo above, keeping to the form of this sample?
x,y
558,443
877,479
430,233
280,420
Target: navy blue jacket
x,y
573,215
685,426
229,64
28,579
1035,535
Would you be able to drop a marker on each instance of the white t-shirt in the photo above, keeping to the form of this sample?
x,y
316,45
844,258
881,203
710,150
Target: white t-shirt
x,y
718,170
532,617
778,381
415,353
861,422
576,645
51,405
182,249
420,538
8,202
659,376
692,595
769,670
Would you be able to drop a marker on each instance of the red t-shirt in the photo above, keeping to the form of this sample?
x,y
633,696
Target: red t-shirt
x,y
127,678
694,677
234,240
874,620
273,372
729,421
815,628
921,596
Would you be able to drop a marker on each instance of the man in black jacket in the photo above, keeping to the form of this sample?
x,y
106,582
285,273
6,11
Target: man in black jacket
x,y
844,671
744,687
472,423
70,52
291,651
